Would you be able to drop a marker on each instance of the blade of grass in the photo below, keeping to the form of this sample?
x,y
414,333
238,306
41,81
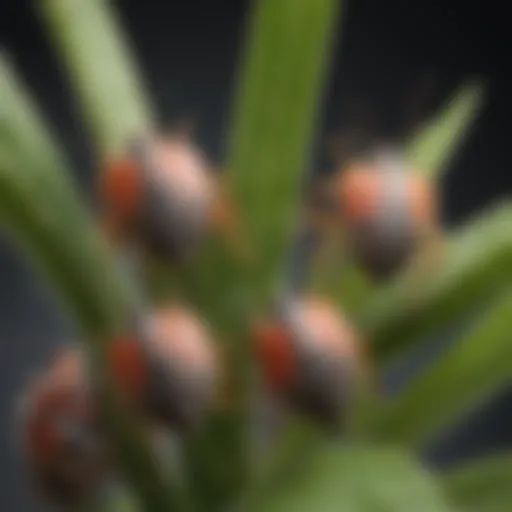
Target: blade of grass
x,y
22,123
89,38
45,231
432,148
482,485
468,372
274,120
39,209
475,266
42,171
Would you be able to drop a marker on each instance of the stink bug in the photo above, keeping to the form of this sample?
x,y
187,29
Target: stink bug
x,y
387,209
61,439
310,357
171,369
163,194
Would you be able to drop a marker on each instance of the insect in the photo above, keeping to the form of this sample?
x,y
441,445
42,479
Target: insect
x,y
171,369
163,195
61,439
310,358
388,210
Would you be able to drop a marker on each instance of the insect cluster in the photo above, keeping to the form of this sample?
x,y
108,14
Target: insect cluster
x,y
160,198
163,198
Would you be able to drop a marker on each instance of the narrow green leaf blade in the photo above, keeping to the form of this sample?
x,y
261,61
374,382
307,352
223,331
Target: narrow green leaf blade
x,y
274,121
89,38
432,148
21,123
39,209
468,373
37,171
475,267
482,485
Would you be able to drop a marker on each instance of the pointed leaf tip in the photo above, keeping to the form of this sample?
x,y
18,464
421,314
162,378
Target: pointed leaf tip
x,y
432,148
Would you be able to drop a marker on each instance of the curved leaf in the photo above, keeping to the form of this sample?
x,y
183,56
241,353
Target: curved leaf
x,y
90,41
482,485
21,126
37,171
39,208
467,373
433,147
475,267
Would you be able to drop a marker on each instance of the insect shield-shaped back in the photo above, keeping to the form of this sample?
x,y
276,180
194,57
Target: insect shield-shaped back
x,y
171,370
161,194
309,356
61,440
388,210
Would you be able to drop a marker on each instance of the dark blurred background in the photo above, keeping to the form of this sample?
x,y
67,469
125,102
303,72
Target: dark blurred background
x,y
188,52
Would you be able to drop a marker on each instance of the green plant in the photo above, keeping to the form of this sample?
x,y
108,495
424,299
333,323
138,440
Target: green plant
x,y
373,467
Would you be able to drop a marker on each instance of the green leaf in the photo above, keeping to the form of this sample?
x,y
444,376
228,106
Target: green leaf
x,y
275,118
475,266
348,285
482,485
478,365
39,209
355,479
89,38
113,498
36,171
433,147
21,125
